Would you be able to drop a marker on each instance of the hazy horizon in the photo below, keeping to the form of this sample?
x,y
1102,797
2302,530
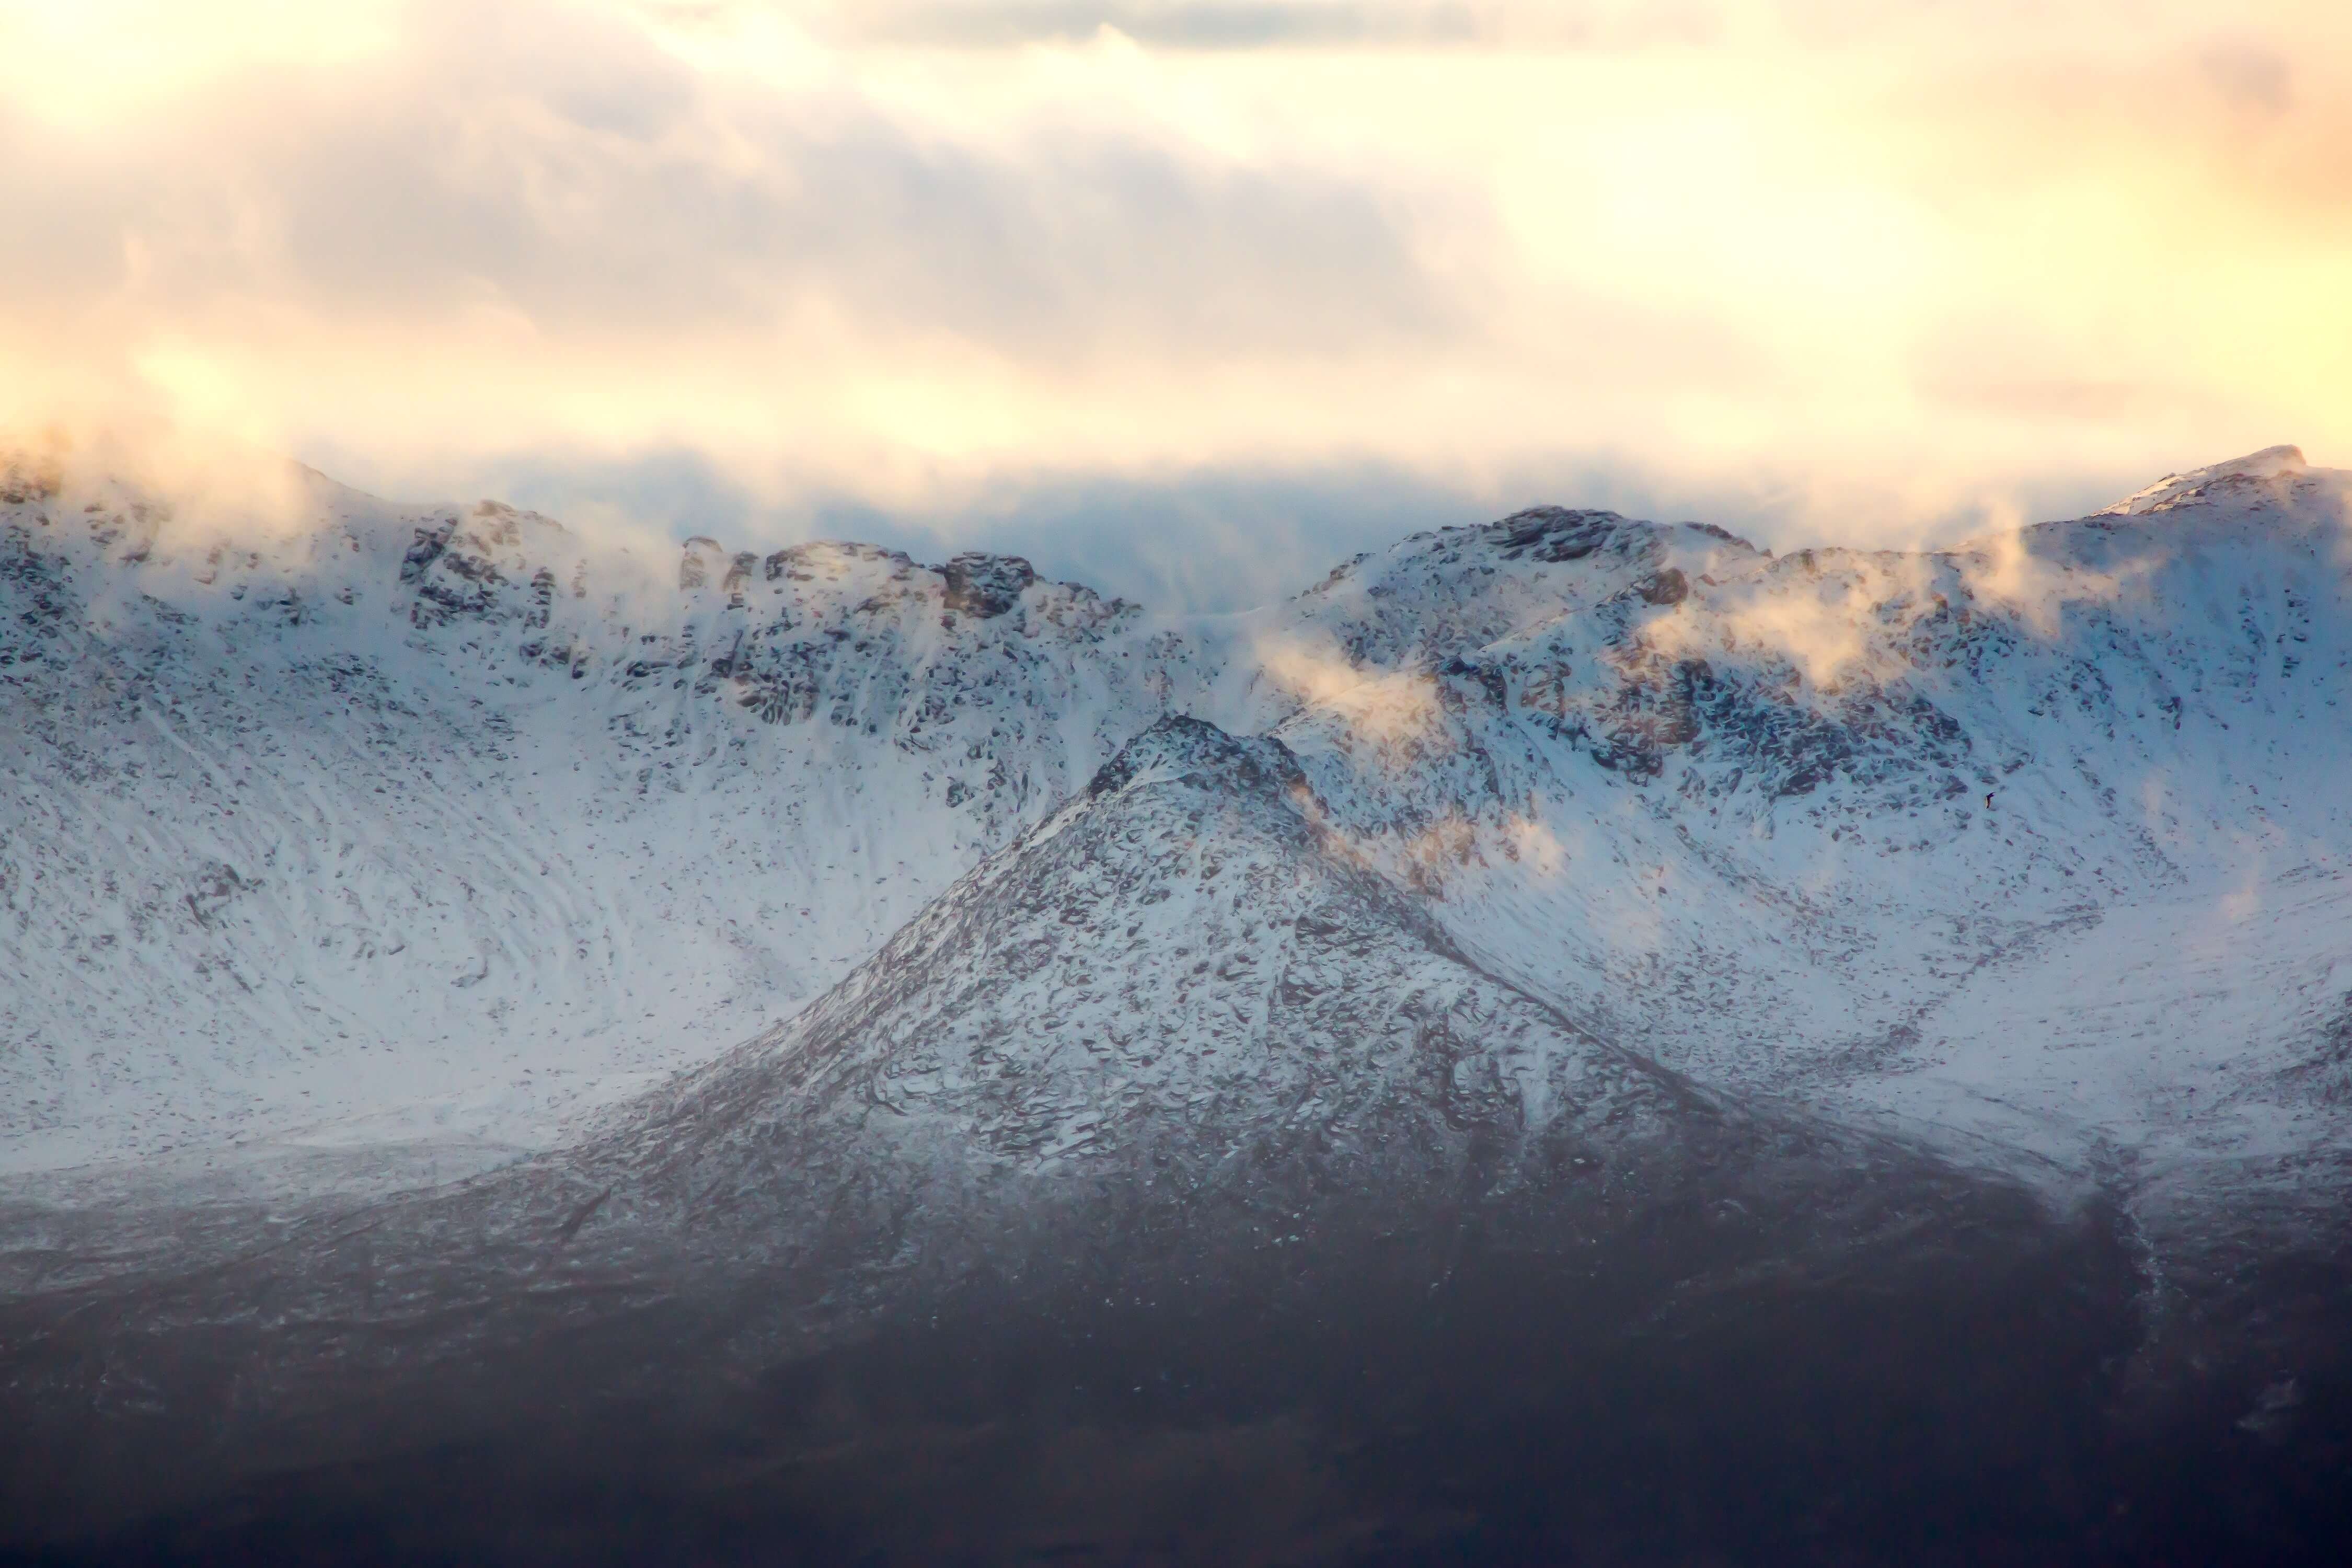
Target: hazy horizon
x,y
1184,297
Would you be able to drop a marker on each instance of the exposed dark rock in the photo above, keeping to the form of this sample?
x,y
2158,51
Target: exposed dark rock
x,y
1669,586
696,559
985,586
430,543
1195,750
1554,533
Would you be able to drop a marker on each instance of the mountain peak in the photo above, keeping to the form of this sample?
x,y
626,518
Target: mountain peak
x,y
2239,476
1554,533
1183,747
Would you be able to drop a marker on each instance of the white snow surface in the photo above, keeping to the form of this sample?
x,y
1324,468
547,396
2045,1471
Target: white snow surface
x,y
403,825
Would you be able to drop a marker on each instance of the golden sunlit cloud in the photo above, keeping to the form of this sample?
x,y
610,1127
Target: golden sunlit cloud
x,y
1873,269
1384,708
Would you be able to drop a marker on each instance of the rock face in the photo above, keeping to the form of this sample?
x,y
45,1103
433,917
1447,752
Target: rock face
x,y
985,586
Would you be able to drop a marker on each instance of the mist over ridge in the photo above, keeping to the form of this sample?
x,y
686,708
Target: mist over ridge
x,y
1318,783
463,956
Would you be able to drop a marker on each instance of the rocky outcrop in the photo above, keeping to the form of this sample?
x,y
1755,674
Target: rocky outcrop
x,y
985,586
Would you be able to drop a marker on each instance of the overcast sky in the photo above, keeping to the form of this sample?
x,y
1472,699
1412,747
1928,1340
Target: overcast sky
x,y
1190,297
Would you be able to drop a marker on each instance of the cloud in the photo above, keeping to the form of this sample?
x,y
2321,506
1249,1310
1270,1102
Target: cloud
x,y
1856,270
1439,854
2249,77
2006,572
1238,26
577,183
1216,539
1184,24
187,493
1825,625
1387,710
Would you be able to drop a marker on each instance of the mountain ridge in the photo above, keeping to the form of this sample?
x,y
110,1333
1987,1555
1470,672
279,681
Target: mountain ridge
x,y
1561,1002
1720,805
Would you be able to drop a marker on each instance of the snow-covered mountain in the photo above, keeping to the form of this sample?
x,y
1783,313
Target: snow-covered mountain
x,y
1833,996
1177,1080
410,808
2045,836
366,825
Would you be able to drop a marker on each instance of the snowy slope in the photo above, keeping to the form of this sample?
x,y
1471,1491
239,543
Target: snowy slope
x,y
1732,809
380,815
1184,990
1171,1033
395,823
1178,972
1176,1086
